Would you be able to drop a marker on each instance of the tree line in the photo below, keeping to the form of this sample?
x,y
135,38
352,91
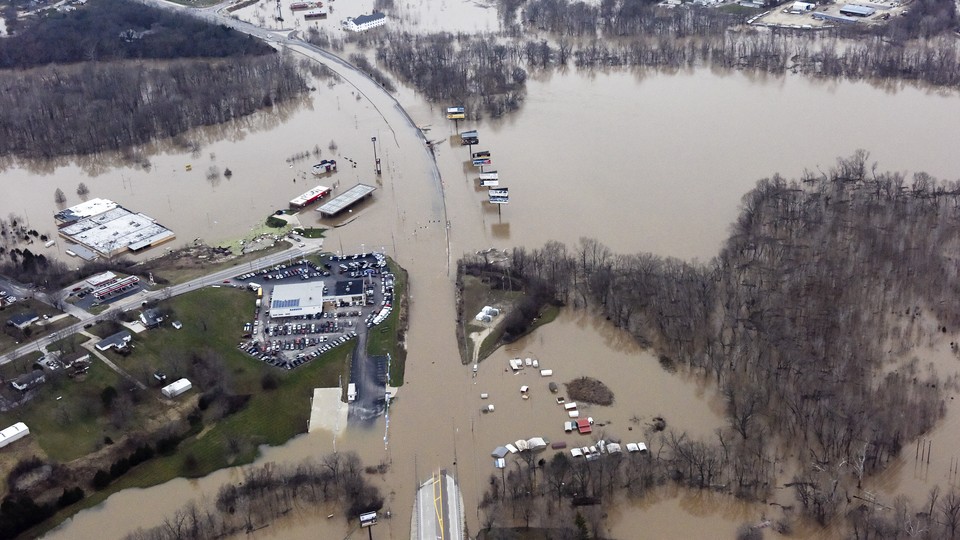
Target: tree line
x,y
476,71
105,30
267,493
824,283
96,107
488,72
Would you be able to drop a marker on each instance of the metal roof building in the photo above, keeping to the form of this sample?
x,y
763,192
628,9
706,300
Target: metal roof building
x,y
346,199
108,229
856,10
823,16
296,300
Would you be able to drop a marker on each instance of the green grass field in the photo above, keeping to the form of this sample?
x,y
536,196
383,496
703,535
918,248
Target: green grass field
x,y
66,418
382,339
9,342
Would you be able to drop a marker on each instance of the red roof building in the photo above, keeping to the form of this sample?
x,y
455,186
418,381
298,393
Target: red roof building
x,y
583,426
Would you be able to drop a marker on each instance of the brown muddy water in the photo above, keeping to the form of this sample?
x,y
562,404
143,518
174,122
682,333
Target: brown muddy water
x,y
655,162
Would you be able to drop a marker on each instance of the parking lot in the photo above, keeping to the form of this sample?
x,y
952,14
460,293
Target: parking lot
x,y
292,340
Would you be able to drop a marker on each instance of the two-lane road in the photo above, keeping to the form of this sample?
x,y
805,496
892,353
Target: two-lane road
x,y
136,300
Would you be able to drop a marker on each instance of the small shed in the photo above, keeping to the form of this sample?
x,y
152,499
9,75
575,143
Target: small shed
x,y
176,388
583,426
499,452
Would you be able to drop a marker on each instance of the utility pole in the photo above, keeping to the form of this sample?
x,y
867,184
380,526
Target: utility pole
x,y
376,160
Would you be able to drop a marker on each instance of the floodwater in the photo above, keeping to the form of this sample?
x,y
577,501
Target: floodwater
x,y
470,16
652,162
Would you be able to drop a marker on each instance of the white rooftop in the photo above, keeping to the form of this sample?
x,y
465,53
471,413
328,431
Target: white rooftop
x,y
297,299
115,229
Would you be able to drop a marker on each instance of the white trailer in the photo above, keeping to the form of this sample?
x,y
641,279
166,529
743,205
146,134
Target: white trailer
x,y
13,433
176,388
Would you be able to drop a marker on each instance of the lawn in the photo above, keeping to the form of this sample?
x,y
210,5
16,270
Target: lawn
x,y
66,418
382,339
477,294
212,320
9,342
270,417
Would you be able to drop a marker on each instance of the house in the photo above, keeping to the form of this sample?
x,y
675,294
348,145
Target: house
x,y
118,340
28,380
79,357
13,433
151,318
364,22
23,320
583,426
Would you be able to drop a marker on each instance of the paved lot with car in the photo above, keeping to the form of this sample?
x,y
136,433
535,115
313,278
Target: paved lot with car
x,y
288,342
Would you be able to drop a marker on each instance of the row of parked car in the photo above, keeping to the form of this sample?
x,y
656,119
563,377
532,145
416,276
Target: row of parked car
x,y
326,327
303,268
271,351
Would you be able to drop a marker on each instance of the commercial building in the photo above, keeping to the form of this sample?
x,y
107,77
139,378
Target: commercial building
x,y
297,300
108,229
310,197
364,22
13,433
854,10
346,199
348,291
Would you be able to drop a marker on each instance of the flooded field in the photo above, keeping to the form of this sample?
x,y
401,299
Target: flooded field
x,y
655,163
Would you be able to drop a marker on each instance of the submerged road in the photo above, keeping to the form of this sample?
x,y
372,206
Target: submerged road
x,y
389,109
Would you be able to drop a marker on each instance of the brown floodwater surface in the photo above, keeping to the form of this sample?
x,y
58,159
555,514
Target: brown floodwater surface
x,y
652,162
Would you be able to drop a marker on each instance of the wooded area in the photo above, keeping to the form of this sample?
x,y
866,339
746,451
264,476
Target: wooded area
x,y
95,107
487,73
267,493
115,74
104,30
810,321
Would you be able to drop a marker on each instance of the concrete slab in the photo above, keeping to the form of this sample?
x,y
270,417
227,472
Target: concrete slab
x,y
327,411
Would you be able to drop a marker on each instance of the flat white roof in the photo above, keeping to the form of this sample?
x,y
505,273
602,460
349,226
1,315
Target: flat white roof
x,y
302,199
346,199
297,299
116,229
87,209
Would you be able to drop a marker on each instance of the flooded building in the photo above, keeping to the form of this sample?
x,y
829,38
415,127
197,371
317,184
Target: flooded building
x,y
364,22
346,199
310,197
107,229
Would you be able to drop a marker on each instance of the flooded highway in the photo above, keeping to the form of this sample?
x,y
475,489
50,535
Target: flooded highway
x,y
656,162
